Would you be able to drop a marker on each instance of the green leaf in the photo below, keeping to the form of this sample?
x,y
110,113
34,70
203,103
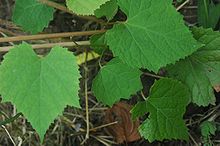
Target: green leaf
x,y
39,87
98,43
109,9
166,106
201,71
32,15
203,12
214,15
208,128
208,13
116,80
153,36
138,111
84,7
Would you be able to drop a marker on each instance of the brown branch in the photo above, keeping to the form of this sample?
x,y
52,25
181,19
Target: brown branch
x,y
49,36
65,9
50,45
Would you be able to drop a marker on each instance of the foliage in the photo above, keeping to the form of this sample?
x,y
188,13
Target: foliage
x,y
84,7
166,104
98,43
109,9
116,80
201,70
162,32
32,15
153,37
208,128
39,87
208,13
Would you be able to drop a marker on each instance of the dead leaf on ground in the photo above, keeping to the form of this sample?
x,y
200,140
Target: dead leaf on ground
x,y
217,88
125,130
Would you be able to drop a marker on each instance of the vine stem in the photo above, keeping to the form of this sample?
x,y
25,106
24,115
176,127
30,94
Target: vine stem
x,y
152,75
182,5
49,36
86,99
65,9
50,45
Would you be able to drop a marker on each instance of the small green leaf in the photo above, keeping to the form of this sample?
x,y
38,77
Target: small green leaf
x,y
116,80
32,15
109,9
201,71
214,15
153,36
137,110
98,43
84,7
208,128
40,88
166,105
208,13
203,12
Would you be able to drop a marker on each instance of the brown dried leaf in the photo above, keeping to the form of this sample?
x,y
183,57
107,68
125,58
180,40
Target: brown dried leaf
x,y
125,130
217,88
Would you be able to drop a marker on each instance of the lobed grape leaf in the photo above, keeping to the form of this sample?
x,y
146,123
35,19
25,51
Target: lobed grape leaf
x,y
201,71
153,36
109,9
39,87
32,15
84,7
116,80
166,106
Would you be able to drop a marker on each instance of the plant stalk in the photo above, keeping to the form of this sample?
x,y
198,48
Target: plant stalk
x,y
49,36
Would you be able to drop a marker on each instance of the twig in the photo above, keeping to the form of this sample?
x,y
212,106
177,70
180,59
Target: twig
x,y
8,24
20,141
102,126
152,75
194,141
86,99
8,32
64,9
50,36
50,45
4,35
182,5
101,140
9,135
143,96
